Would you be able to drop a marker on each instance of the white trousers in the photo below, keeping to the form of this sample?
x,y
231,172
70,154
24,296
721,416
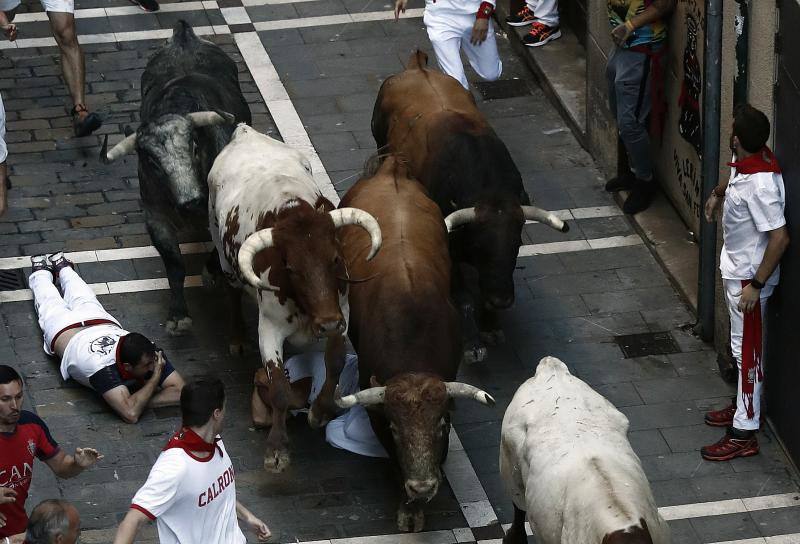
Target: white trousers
x,y
546,11
55,312
449,33
733,292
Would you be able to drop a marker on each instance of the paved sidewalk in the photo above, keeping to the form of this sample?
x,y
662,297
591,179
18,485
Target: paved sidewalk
x,y
571,304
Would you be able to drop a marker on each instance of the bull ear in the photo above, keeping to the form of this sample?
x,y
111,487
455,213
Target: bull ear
x,y
524,199
373,381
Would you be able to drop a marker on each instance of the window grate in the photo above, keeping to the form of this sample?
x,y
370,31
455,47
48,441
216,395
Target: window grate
x,y
503,88
650,343
11,280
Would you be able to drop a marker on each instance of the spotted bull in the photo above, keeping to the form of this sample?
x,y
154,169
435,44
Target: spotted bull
x,y
274,231
191,101
405,330
429,118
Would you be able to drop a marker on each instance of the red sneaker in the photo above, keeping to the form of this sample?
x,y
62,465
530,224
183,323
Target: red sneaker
x,y
733,444
721,418
523,17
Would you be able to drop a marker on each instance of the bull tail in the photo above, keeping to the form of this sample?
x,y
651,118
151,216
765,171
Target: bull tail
x,y
182,33
418,59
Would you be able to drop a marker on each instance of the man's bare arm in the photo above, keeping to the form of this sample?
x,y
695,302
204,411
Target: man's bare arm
x,y
170,394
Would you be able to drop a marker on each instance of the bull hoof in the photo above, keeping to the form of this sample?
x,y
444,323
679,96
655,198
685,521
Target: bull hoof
x,y
493,338
474,354
236,349
178,327
318,417
276,462
410,520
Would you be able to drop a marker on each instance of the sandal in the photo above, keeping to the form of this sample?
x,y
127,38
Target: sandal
x,y
87,125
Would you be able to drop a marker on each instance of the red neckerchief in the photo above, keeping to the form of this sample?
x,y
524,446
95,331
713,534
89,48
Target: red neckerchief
x,y
752,372
189,441
756,163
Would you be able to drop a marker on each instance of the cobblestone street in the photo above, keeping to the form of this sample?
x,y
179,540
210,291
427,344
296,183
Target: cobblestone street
x,y
575,292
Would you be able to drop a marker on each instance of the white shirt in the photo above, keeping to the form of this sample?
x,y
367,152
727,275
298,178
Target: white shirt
x,y
753,206
3,148
89,351
193,501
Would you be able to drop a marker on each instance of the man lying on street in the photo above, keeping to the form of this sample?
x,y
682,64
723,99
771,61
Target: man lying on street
x,y
126,368
23,436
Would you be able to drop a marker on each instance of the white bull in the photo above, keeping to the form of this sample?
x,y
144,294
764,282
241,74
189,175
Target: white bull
x,y
566,460
275,231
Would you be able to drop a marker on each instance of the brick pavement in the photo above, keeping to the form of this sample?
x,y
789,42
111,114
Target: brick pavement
x,y
568,304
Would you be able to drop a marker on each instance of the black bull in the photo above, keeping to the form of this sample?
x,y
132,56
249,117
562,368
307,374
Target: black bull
x,y
191,102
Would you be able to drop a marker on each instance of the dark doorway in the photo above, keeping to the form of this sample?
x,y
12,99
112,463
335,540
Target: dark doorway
x,y
783,342
574,15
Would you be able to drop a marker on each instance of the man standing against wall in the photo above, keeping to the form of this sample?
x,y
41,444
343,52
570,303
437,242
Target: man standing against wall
x,y
754,239
635,87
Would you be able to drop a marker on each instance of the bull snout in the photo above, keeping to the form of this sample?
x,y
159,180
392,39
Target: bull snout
x,y
329,327
499,302
421,489
194,205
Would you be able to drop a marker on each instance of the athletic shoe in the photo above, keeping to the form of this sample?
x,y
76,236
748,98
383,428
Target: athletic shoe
x,y
721,418
523,17
146,5
40,262
59,261
84,125
623,182
734,444
641,196
541,34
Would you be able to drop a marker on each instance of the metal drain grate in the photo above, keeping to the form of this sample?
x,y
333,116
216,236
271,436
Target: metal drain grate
x,y
11,280
649,343
503,88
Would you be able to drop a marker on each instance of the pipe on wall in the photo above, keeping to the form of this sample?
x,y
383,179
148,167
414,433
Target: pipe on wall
x,y
712,91
742,52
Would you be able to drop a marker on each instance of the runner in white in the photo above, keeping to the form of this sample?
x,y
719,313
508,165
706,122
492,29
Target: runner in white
x,y
461,24
125,368
191,489
351,430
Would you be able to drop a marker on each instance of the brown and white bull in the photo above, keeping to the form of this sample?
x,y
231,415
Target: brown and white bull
x,y
566,460
405,330
275,231
452,150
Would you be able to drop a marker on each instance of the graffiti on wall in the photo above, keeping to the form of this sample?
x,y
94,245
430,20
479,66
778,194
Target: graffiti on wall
x,y
689,100
688,143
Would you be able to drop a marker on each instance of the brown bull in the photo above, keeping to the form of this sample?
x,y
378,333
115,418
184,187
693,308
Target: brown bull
x,y
429,118
405,330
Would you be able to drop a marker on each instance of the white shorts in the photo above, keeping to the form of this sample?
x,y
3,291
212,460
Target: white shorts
x,y
57,6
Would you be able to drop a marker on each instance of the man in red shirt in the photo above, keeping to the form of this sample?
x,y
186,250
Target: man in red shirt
x,y
23,436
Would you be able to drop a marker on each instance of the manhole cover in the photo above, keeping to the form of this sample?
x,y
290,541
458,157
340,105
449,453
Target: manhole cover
x,y
11,280
503,88
649,343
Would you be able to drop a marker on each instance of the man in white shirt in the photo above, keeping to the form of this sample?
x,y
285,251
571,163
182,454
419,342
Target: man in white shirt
x,y
191,489
125,368
754,239
3,156
456,24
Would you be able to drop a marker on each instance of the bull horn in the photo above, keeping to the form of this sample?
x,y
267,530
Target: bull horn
x,y
366,397
254,243
458,390
354,216
532,213
122,148
459,217
209,118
